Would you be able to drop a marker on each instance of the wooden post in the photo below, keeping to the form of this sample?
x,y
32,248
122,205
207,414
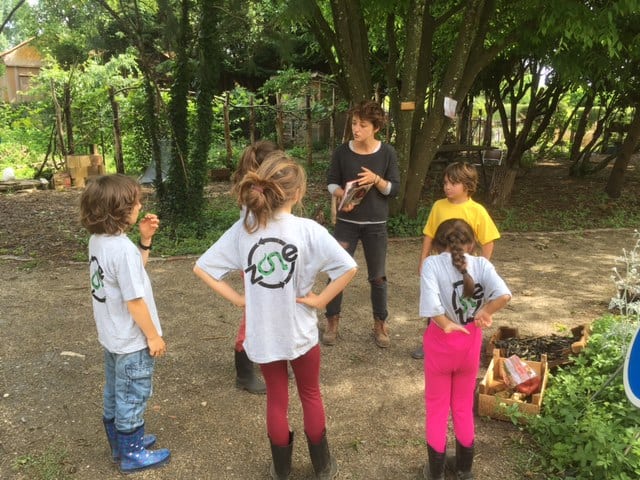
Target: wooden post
x,y
279,123
309,133
252,120
332,120
227,133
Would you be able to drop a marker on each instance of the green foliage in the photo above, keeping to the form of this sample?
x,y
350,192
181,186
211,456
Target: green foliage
x,y
49,465
585,210
402,226
193,237
588,428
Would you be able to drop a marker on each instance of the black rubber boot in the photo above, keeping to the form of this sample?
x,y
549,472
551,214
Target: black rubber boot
x,y
281,460
462,463
245,375
324,464
434,468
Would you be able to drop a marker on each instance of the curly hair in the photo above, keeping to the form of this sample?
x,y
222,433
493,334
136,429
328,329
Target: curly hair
x,y
456,236
106,204
370,111
277,181
464,173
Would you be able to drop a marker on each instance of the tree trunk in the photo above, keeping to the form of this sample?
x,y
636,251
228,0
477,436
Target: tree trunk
x,y
309,134
616,179
59,127
227,133
279,123
502,183
152,129
207,79
71,148
487,134
117,132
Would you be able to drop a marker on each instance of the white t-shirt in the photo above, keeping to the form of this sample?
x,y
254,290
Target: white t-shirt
x,y
441,287
280,263
117,276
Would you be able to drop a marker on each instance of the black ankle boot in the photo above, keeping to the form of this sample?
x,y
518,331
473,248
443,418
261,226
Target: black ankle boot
x,y
434,469
464,462
245,375
281,456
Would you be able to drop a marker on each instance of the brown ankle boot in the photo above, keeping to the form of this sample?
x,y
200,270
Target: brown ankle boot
x,y
381,333
330,333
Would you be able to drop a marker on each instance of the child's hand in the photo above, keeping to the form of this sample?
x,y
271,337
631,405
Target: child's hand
x,y
451,327
311,300
483,319
157,347
148,226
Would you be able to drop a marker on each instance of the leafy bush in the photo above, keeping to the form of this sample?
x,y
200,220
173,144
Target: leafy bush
x,y
627,281
588,429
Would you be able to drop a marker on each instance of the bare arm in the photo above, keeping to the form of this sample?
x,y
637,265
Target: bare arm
x,y
148,227
426,250
448,325
484,316
140,314
221,287
330,291
487,250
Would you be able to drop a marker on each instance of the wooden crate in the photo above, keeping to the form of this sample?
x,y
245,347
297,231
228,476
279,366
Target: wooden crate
x,y
501,333
490,405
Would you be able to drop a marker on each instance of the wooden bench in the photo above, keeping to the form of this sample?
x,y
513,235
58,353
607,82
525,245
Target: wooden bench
x,y
484,156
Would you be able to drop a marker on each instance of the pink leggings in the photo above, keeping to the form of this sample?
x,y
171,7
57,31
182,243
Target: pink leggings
x,y
241,332
451,364
307,371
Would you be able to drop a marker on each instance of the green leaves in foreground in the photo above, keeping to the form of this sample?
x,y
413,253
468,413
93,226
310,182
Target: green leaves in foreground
x,y
588,429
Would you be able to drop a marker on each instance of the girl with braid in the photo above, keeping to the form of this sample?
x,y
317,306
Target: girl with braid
x,y
460,293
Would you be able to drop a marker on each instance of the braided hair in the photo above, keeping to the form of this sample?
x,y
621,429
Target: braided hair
x,y
455,235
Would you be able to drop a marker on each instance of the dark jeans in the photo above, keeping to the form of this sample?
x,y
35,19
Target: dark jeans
x,y
374,245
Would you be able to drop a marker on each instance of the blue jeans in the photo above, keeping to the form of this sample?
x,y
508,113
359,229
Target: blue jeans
x,y
374,244
128,386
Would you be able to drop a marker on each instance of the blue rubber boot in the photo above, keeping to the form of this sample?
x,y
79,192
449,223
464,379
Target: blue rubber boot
x,y
112,436
133,455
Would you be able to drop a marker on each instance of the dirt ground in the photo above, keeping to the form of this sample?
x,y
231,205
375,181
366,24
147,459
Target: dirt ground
x,y
51,363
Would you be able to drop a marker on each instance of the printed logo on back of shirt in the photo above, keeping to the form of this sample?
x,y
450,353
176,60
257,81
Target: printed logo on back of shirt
x,y
271,263
466,307
97,280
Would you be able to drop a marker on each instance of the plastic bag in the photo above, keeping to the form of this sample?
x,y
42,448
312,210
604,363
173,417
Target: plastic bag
x,y
519,375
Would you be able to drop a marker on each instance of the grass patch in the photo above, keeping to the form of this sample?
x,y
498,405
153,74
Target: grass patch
x,y
52,464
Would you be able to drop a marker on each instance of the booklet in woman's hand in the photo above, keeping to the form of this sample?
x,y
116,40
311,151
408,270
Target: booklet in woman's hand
x,y
353,193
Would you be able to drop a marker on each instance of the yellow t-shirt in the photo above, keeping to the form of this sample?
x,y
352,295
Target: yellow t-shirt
x,y
470,211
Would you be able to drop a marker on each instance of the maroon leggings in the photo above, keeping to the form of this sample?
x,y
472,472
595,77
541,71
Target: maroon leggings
x,y
307,371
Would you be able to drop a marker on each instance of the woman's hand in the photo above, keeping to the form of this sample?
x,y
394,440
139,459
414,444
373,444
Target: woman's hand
x,y
367,177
